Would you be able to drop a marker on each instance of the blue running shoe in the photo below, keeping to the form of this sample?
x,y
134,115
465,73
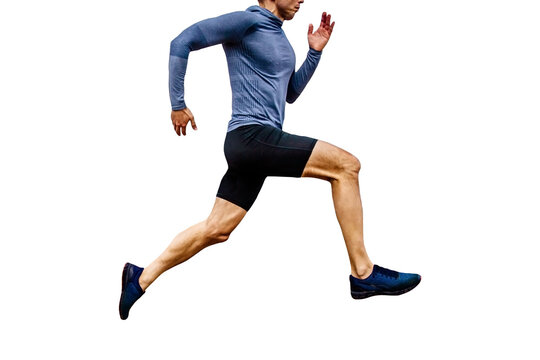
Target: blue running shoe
x,y
383,282
131,290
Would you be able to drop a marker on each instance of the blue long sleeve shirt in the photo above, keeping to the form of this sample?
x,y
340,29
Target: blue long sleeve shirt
x,y
261,64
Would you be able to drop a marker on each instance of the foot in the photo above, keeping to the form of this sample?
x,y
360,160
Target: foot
x,y
383,282
131,290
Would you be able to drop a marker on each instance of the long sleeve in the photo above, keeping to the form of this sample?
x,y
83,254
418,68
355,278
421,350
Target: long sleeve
x,y
228,28
299,79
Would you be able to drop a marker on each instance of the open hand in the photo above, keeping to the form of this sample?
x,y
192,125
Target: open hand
x,y
180,119
317,40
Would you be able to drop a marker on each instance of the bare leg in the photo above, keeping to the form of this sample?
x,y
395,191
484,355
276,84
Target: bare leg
x,y
341,169
223,219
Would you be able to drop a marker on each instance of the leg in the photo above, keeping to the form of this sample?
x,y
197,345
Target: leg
x,y
237,192
223,219
277,153
341,169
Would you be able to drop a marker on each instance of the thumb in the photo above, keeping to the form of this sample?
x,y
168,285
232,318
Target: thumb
x,y
188,112
310,29
191,118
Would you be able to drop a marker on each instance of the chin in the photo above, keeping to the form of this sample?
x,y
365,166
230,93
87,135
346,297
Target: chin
x,y
290,17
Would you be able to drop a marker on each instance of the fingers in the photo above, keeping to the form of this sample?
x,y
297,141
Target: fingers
x,y
178,129
310,29
191,118
325,22
175,122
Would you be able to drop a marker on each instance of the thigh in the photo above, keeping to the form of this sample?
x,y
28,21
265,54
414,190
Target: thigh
x,y
226,215
279,153
328,161
240,188
254,152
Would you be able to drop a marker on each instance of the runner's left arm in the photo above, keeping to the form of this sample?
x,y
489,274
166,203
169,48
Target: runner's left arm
x,y
317,41
299,79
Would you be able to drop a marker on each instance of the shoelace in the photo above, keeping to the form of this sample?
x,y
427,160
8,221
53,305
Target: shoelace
x,y
387,272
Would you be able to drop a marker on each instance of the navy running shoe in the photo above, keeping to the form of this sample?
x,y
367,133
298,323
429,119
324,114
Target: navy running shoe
x,y
131,290
383,282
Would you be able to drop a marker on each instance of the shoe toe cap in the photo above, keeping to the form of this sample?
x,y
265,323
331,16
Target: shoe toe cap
x,y
414,279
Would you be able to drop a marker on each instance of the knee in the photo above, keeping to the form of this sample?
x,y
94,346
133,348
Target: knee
x,y
215,233
354,165
350,165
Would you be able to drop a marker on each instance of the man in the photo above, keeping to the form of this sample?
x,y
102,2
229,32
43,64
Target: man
x,y
262,72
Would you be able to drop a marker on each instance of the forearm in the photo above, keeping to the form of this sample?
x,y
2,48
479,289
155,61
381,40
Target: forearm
x,y
189,40
177,72
299,79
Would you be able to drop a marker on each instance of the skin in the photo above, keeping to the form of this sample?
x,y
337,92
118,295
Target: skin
x,y
327,162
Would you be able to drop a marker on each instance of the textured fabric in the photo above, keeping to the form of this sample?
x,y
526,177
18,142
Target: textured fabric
x,y
383,281
261,64
254,152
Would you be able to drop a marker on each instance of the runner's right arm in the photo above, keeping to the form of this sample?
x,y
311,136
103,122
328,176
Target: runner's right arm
x,y
222,29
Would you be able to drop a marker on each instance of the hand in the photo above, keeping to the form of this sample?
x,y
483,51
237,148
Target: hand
x,y
180,119
317,40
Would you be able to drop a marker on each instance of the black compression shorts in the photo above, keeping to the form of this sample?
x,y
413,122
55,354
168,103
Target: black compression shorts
x,y
254,152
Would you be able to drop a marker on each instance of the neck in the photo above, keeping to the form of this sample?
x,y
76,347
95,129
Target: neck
x,y
271,6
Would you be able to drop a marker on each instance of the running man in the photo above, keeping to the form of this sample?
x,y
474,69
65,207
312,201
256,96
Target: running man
x,y
262,72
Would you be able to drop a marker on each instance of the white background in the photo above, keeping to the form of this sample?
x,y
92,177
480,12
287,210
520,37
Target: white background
x,y
438,99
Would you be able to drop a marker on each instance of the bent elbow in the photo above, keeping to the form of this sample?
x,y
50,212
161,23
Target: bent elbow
x,y
177,46
291,97
182,45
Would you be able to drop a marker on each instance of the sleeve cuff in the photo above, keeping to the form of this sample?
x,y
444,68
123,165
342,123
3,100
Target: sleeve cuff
x,y
179,107
314,52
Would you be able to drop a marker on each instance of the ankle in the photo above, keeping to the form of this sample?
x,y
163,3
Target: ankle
x,y
362,271
144,283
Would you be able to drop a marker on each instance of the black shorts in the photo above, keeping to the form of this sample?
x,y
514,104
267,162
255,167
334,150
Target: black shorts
x,y
254,152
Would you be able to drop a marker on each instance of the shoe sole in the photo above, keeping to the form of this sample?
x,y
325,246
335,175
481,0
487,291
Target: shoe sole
x,y
362,295
124,284
125,276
